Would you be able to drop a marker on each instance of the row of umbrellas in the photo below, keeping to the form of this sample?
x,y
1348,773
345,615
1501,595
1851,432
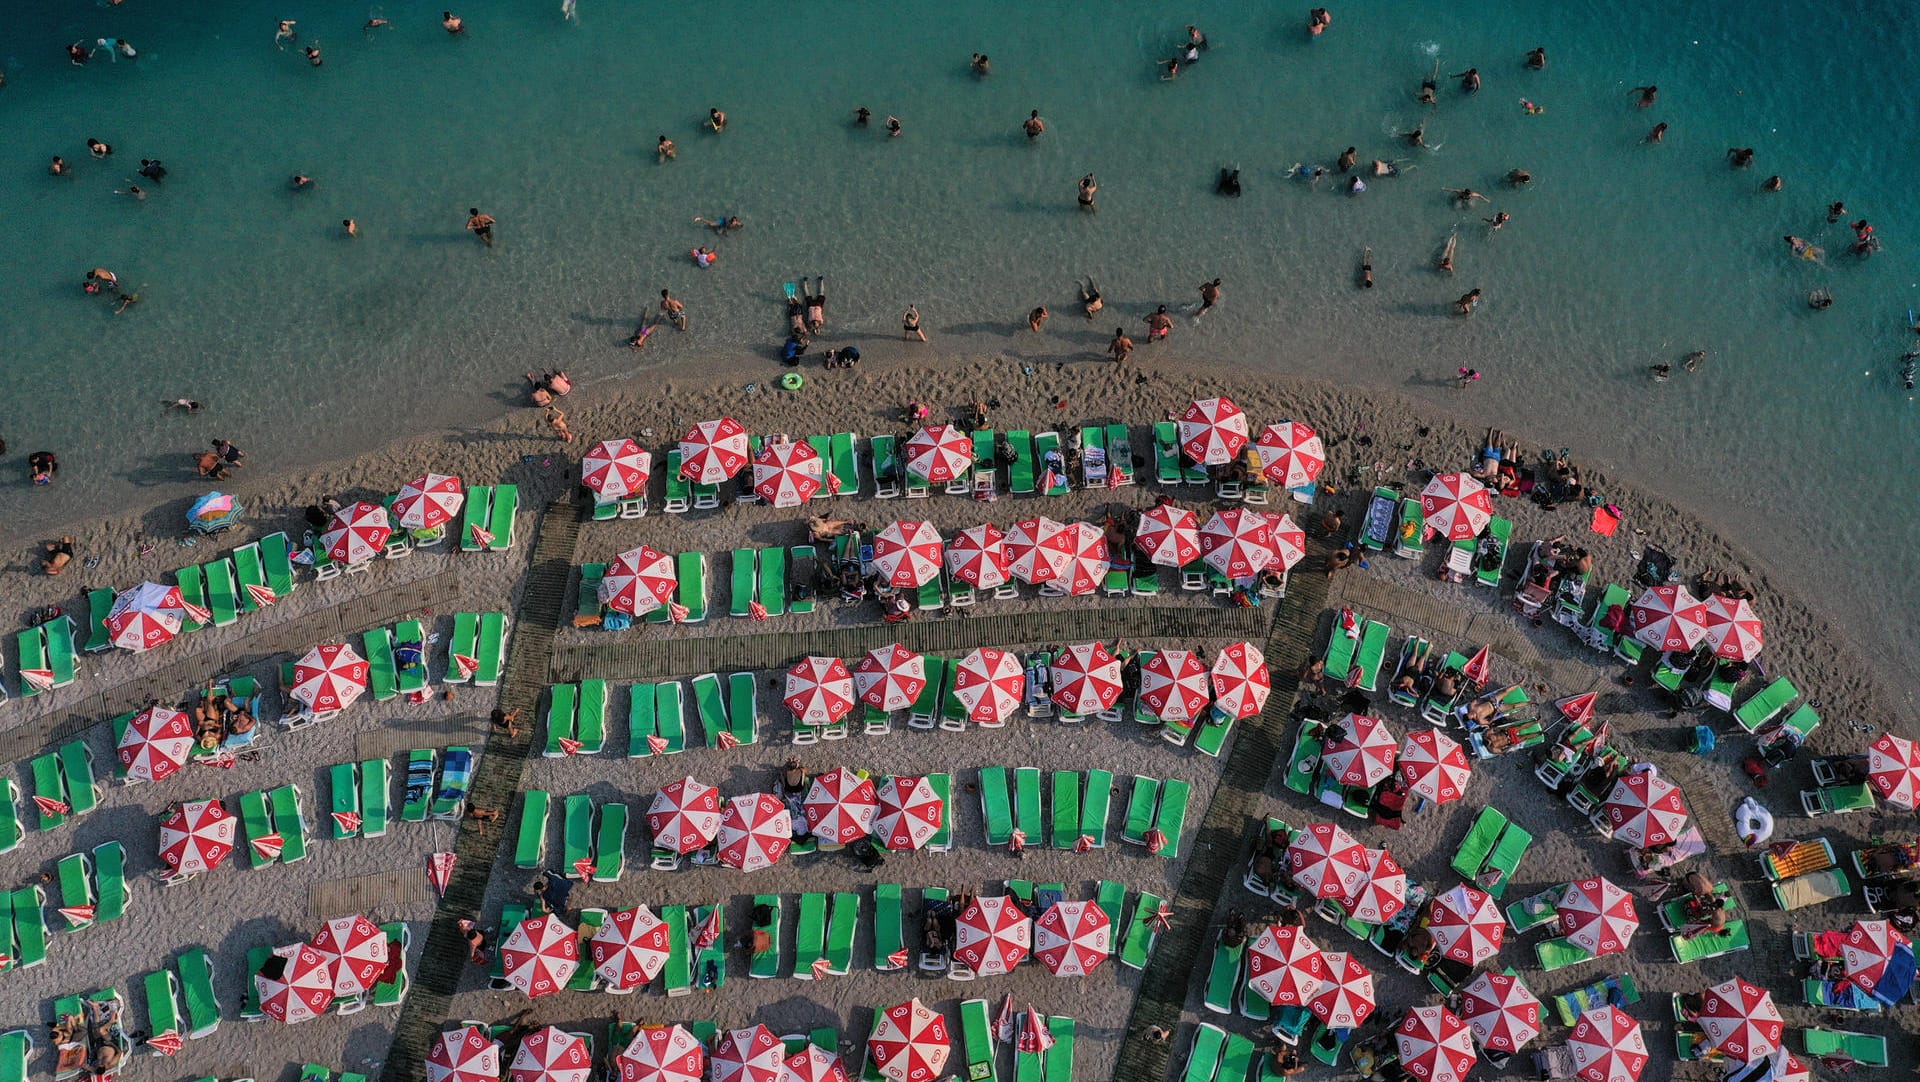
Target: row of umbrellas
x,y
755,831
1432,763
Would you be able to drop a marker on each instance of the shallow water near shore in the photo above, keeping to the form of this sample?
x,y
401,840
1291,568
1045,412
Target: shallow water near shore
x,y
308,346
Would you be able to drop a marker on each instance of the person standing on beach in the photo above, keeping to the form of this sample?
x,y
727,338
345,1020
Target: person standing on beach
x,y
233,456
557,420
480,225
1121,347
910,324
676,311
1034,125
1209,296
1088,186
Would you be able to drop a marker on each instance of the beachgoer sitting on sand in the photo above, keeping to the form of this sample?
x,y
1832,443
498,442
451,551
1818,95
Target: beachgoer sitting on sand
x,y
822,528
58,555
793,776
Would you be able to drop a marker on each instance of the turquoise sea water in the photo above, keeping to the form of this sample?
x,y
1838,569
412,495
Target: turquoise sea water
x,y
309,346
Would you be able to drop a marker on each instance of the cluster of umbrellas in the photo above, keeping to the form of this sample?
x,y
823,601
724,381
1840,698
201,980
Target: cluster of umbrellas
x,y
656,1053
1432,764
756,830
1646,810
1240,542
301,980
1669,617
1879,960
159,739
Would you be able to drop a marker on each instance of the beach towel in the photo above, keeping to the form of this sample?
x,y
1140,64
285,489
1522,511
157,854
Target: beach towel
x,y
1605,521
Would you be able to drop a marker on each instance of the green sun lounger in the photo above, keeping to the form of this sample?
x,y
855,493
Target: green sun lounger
x,y
76,776
976,1034
193,590
889,929
196,984
1020,476
493,648
1569,1006
99,605
841,929
1026,804
1804,720
29,927
343,789
1095,800
1111,896
670,714
995,806
576,834
691,569
376,798
1695,948
163,1003
411,679
1532,912
1845,1046
710,965
1410,533
773,580
809,935
610,844
16,1049
1504,860
474,516
844,463
1340,650
1166,453
1136,946
33,655
710,700
563,707
678,491
590,718
1764,705
456,774
249,570
1171,818
1223,977
61,650
511,916
640,720
1120,467
587,978
8,951
1203,1058
12,831
942,786
501,511
888,470
49,783
220,592
1487,571
76,888
1479,842
1027,1065
677,976
256,819
1044,442
1141,805
741,594
766,963
1371,653
929,703
1560,953
1237,1060
743,708
276,560
289,823
802,605
1093,456
382,679
109,882
530,848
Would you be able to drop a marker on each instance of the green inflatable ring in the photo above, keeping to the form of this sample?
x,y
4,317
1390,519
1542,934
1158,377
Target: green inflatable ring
x,y
792,381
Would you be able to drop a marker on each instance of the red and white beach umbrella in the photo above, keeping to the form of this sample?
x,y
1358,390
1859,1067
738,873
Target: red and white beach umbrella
x,y
814,1064
908,554
713,451
1466,925
551,1054
1086,678
1383,894
1326,862
196,837
991,684
1455,506
466,1054
1286,966
146,616
1741,1020
890,677
1435,1045
1034,1035
1870,946
684,815
1501,1011
428,502
978,557
939,453
301,988
1607,1046
788,473
1364,754
1893,769
616,469
909,813
1173,685
541,955
1291,454
1289,542
1784,1066
1241,681
840,806
819,691
1668,617
909,1042
1646,810
1578,709
1087,559
630,947
357,533
1435,766
355,950
1072,938
756,830
329,677
1038,550
1597,915
992,935
1212,431
1168,535
156,744
1733,628
750,1054
662,1054
638,581
1238,542
1346,999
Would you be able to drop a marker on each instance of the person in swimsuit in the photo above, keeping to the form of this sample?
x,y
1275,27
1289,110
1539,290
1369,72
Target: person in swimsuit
x,y
981,65
893,126
1647,95
350,227
1159,325
910,324
1089,186
1037,318
77,55
300,183
1469,80
1499,219
99,149
1346,160
285,33
676,311
664,150
716,120
721,223
313,55
1658,133
1464,197
1519,178
1034,125
1209,296
1740,157
101,278
1229,183
1317,22
1172,70
1366,268
1090,302
1773,184
1465,306
1537,57
41,466
816,302
861,116
453,23
59,168
480,225
1121,347
153,170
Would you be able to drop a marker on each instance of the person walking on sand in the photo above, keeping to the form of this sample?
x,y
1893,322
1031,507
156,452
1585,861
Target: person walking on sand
x,y
480,225
910,324
1159,324
557,420
1034,125
676,311
1088,186
1121,347
1209,296
1037,318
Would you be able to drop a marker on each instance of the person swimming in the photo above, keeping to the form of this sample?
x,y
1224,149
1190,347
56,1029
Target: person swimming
x,y
1346,159
981,65
1355,186
1658,133
1317,22
313,55
1772,183
1033,125
1465,306
1446,253
1090,302
454,24
1430,87
1537,57
1469,80
1088,187
285,34
1172,69
1196,39
1229,183
721,223
1417,137
1820,299
716,120
1803,248
1499,219
664,150
153,170
1836,210
1907,368
1740,157
705,257
60,168
1693,360
77,55
99,149
1366,268
893,126
1647,95
300,182
1519,178
1464,197
861,116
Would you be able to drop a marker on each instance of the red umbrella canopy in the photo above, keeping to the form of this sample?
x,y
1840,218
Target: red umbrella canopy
x,y
1241,681
755,832
1212,431
819,690
713,451
1363,755
1238,542
1646,810
1173,685
1086,679
788,473
1741,1021
541,955
1385,891
1038,550
909,1042
1669,618
1087,559
840,806
1733,629
466,1054
329,677
991,684
429,502
1456,507
638,581
1435,766
630,948
908,554
146,616
1579,708
1467,925
1326,862
1597,915
814,1064
1291,454
1870,946
1285,966
661,1054
1073,938
684,816
1346,999
1500,1010
890,677
1435,1045
992,935
551,1054
156,744
977,556
355,950
752,1054
1168,535
1289,542
1607,1046
295,985
1893,769
939,453
616,470
909,813
196,837
357,533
